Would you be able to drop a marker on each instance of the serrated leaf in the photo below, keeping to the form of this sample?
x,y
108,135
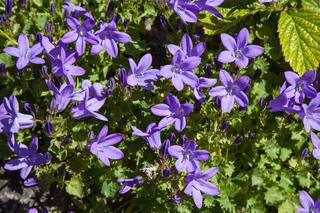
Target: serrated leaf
x,y
109,189
75,187
311,5
273,195
299,33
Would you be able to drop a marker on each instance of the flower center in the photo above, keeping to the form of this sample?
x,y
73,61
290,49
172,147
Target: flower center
x,y
187,155
238,54
300,86
179,112
81,31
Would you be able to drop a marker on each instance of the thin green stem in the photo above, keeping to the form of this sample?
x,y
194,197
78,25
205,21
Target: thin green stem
x,y
8,37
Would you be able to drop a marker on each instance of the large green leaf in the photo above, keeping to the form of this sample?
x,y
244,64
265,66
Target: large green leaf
x,y
299,33
75,187
312,5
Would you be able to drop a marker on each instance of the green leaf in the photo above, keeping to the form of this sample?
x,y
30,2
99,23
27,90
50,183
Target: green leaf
x,y
273,195
75,187
299,33
311,5
109,189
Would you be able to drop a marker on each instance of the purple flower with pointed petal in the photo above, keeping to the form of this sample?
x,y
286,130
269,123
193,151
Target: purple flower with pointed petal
x,y
102,146
203,83
88,107
300,87
28,158
31,182
231,91
180,70
186,10
77,11
62,60
80,33
316,143
173,112
141,74
11,120
24,53
210,5
311,114
108,36
238,50
187,48
307,203
128,184
283,103
151,136
187,156
61,98
198,182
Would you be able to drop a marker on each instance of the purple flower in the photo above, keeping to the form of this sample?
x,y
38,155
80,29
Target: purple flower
x,y
128,184
238,50
27,159
186,10
24,53
151,136
283,103
62,60
88,106
80,33
107,37
141,74
231,91
102,146
173,112
300,87
311,114
316,143
210,5
187,156
203,83
180,70
187,48
197,183
11,120
31,182
61,98
307,203
77,11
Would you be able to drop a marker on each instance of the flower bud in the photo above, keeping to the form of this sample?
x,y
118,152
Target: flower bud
x,y
47,27
48,126
163,21
164,149
52,8
207,69
176,199
224,126
44,72
29,108
183,139
217,63
217,101
3,70
176,27
3,18
38,37
8,6
238,140
122,73
260,102
126,23
171,136
304,153
116,18
166,172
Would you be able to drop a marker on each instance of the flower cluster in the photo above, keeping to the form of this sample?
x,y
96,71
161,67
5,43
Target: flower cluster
x,y
298,95
88,99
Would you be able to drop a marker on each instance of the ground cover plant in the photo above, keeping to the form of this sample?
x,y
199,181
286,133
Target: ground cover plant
x,y
160,105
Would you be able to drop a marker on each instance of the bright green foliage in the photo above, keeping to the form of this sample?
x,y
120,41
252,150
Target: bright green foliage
x,y
299,33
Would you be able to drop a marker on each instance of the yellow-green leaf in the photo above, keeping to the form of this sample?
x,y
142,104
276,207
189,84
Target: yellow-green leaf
x,y
299,33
